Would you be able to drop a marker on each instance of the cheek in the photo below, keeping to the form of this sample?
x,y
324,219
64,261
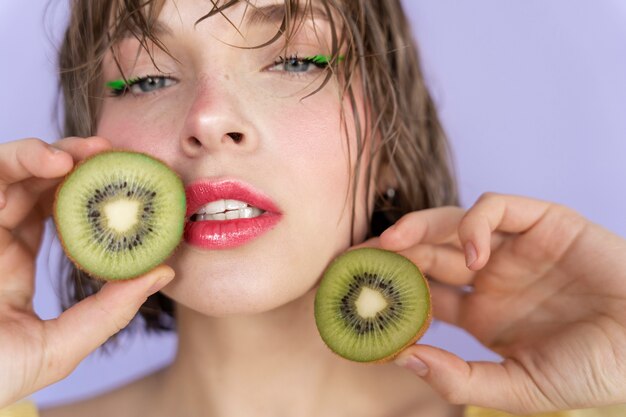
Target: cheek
x,y
321,160
309,139
139,132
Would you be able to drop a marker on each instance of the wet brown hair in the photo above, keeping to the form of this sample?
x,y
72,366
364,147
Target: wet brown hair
x,y
376,41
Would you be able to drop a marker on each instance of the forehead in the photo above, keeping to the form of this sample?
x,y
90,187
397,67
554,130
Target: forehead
x,y
157,17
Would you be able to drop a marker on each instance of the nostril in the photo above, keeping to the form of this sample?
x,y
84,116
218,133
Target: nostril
x,y
235,136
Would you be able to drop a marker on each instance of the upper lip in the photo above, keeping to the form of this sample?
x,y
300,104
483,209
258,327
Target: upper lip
x,y
203,191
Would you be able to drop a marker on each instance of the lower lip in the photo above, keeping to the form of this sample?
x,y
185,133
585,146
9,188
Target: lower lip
x,y
226,234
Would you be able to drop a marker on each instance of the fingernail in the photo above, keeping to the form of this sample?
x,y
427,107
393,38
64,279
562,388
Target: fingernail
x,y
161,282
413,363
470,254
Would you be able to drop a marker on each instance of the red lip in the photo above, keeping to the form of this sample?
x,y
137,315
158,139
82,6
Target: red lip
x,y
225,234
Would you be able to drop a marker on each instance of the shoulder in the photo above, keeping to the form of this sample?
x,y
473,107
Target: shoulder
x,y
20,409
134,397
614,411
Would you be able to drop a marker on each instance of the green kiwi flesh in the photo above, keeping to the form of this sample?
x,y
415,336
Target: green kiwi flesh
x,y
371,304
119,214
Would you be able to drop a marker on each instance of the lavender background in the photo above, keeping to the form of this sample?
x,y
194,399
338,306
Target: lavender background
x,y
532,94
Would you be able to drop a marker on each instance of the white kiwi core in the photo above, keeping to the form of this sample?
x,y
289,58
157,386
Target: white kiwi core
x,y
369,303
122,215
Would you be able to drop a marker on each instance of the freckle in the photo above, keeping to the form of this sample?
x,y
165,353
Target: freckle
x,y
226,77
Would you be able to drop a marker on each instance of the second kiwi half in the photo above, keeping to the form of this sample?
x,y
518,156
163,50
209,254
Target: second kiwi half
x,y
371,304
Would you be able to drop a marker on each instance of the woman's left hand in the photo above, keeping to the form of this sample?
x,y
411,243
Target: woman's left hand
x,y
545,288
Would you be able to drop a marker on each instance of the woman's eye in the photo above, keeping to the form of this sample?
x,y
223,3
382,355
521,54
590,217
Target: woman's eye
x,y
296,64
141,85
149,84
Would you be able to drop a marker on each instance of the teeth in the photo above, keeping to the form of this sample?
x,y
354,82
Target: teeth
x,y
234,204
213,207
242,213
233,214
220,206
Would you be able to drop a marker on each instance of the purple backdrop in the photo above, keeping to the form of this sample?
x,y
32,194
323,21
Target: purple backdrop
x,y
532,95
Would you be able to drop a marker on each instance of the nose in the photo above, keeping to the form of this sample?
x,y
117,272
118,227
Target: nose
x,y
216,120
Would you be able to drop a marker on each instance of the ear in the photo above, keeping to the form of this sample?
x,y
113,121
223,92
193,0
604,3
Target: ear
x,y
385,179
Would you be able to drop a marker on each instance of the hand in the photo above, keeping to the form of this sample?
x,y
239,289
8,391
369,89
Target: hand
x,y
36,353
545,288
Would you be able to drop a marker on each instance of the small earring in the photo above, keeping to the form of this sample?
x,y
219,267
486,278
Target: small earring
x,y
390,193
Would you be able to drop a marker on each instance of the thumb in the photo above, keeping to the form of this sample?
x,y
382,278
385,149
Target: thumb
x,y
88,324
504,386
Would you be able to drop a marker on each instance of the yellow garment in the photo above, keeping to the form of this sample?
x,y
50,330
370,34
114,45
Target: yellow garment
x,y
20,409
29,409
615,411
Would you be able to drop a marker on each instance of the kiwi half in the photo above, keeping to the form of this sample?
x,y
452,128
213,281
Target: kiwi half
x,y
119,214
371,304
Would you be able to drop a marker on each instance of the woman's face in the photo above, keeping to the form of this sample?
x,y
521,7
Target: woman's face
x,y
233,123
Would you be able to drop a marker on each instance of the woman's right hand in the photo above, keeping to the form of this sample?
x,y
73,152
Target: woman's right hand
x,y
36,353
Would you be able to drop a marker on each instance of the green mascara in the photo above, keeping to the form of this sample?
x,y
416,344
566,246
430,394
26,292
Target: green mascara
x,y
323,59
117,84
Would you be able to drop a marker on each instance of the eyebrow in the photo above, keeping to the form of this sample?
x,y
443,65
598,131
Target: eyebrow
x,y
253,15
275,13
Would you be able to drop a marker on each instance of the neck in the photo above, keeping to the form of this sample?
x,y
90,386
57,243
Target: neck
x,y
275,364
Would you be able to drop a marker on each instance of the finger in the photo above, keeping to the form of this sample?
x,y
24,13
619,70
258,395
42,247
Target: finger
x,y
21,197
437,225
29,162
78,149
88,324
29,233
446,302
444,263
496,212
81,148
369,243
23,159
505,386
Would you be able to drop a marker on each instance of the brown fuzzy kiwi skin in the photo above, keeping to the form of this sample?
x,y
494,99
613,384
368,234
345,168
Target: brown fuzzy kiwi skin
x,y
411,342
54,215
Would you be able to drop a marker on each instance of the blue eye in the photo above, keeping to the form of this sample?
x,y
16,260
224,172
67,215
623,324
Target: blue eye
x,y
148,84
140,85
295,64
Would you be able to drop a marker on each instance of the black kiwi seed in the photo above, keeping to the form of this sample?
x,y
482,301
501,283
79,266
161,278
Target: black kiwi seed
x,y
120,214
371,304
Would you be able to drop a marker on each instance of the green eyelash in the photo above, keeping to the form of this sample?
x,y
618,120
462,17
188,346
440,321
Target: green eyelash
x,y
119,87
323,59
117,84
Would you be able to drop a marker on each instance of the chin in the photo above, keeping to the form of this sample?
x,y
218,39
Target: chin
x,y
229,300
273,271
223,283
